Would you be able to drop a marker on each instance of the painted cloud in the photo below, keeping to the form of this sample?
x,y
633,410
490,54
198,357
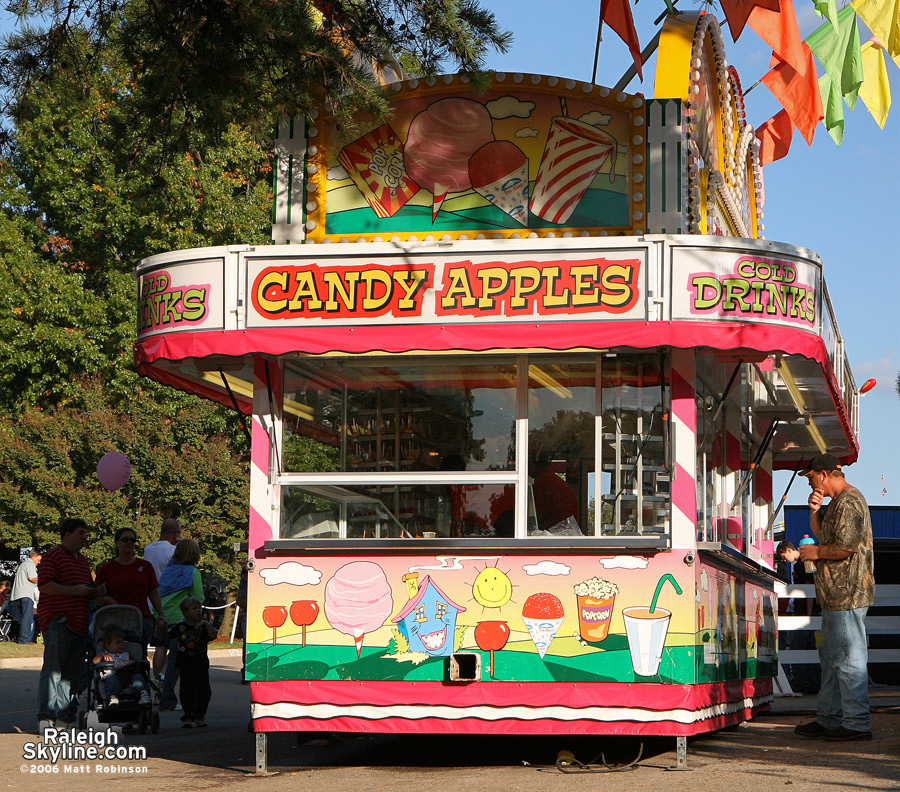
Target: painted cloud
x,y
509,107
596,118
291,573
547,568
337,173
624,562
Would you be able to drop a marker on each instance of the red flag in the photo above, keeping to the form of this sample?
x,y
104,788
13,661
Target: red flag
x,y
779,30
798,92
775,137
617,14
737,12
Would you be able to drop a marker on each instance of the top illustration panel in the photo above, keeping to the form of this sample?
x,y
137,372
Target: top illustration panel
x,y
532,156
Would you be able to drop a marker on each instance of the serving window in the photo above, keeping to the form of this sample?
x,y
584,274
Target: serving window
x,y
499,446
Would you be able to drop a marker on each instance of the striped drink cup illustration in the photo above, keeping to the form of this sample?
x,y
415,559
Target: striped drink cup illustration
x,y
574,153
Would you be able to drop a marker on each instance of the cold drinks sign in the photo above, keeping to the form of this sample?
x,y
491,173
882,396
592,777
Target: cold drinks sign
x,y
541,280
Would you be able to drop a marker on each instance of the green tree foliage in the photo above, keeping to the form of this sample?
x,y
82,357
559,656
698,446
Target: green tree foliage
x,y
181,466
83,199
202,64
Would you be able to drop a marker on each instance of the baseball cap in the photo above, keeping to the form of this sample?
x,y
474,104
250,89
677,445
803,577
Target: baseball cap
x,y
821,462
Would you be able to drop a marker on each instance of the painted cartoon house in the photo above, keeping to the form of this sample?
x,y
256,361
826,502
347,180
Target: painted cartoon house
x,y
428,620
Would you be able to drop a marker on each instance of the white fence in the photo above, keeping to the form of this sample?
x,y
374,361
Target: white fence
x,y
885,596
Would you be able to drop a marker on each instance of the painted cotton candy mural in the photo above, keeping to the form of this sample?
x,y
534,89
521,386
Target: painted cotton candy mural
x,y
358,600
441,141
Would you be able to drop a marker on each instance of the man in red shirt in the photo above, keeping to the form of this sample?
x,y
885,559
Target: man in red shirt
x,y
67,589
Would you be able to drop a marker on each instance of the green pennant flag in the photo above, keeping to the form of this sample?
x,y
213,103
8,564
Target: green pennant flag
x,y
839,52
827,9
834,108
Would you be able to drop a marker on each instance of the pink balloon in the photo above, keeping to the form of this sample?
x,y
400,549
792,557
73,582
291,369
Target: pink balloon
x,y
113,470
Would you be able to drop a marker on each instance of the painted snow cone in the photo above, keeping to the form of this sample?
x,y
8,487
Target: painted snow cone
x,y
499,172
542,614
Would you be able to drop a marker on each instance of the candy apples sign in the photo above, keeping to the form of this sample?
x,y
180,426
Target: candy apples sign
x,y
429,291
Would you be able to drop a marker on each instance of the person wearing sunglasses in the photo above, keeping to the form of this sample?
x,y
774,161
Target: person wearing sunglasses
x,y
130,580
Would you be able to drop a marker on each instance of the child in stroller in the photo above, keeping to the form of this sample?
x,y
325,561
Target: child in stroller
x,y
120,686
114,664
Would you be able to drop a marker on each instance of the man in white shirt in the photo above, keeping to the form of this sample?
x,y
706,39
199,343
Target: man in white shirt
x,y
159,553
22,596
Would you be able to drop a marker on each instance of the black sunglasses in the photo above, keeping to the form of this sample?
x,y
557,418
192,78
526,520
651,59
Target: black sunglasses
x,y
129,539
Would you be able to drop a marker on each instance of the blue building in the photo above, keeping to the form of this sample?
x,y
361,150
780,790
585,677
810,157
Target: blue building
x,y
428,620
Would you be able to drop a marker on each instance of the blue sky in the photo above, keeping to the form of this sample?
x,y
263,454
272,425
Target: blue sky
x,y
842,202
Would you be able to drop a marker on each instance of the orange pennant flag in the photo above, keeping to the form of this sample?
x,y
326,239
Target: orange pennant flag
x,y
617,14
738,11
798,92
779,30
775,137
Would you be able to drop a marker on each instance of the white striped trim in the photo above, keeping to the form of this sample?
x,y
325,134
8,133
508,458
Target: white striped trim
x,y
288,710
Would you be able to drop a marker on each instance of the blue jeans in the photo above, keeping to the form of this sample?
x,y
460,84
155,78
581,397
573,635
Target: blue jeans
x,y
65,659
167,698
22,610
112,682
844,695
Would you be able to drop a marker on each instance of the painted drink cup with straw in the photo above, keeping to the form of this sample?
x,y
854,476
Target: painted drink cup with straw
x,y
574,153
646,632
646,629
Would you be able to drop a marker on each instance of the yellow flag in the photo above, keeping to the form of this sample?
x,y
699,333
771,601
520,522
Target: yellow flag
x,y
882,17
875,91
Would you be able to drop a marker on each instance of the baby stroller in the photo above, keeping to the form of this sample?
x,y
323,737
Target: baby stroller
x,y
129,707
8,631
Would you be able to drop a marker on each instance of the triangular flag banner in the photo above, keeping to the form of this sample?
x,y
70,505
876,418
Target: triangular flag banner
x,y
798,92
834,108
779,30
875,91
827,9
617,14
737,12
882,17
775,138
839,52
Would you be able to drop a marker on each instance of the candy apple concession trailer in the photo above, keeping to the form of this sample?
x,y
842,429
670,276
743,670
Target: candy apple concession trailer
x,y
520,369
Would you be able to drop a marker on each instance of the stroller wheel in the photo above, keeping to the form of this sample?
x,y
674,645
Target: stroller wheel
x,y
142,722
82,720
154,723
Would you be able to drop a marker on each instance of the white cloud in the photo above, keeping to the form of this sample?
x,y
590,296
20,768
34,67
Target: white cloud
x,y
547,568
337,173
527,132
596,118
624,562
509,107
292,573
